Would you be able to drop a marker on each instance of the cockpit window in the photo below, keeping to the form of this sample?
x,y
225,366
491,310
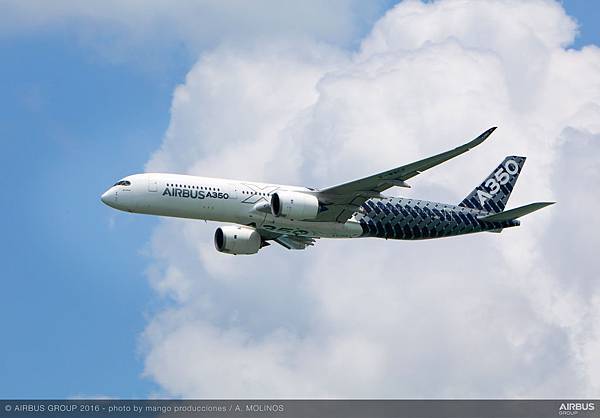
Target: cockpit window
x,y
123,183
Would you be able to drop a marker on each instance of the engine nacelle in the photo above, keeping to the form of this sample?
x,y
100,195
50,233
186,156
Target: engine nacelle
x,y
294,205
237,240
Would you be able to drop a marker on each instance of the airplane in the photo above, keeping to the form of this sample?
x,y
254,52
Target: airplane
x,y
295,217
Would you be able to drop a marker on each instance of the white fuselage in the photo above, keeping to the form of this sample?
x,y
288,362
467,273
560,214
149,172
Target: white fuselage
x,y
222,200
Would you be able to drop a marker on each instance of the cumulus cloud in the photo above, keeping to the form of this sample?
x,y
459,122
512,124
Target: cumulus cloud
x,y
489,315
132,29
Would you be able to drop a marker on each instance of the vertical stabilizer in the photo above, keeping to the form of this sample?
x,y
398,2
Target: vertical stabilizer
x,y
493,193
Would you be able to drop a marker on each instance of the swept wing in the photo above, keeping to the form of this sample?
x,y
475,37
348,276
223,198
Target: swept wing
x,y
343,200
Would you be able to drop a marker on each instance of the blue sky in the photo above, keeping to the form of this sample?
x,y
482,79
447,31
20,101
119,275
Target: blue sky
x,y
75,296
74,291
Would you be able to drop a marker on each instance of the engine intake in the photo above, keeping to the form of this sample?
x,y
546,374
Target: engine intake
x,y
294,205
237,240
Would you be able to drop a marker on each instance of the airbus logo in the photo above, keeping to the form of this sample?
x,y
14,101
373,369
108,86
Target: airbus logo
x,y
573,408
194,194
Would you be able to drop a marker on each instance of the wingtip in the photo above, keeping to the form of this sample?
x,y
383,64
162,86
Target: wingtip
x,y
483,136
489,131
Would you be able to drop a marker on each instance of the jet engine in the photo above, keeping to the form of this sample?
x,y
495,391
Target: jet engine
x,y
294,205
237,240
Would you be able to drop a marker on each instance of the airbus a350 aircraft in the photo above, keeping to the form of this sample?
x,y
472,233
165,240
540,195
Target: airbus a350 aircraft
x,y
296,216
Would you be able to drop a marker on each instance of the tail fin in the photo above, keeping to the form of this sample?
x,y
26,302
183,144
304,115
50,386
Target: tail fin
x,y
493,193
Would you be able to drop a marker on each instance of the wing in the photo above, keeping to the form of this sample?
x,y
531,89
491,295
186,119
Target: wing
x,y
343,200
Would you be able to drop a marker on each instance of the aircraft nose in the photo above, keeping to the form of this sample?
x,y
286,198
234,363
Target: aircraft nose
x,y
108,198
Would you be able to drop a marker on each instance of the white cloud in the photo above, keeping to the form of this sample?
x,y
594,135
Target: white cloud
x,y
134,30
488,315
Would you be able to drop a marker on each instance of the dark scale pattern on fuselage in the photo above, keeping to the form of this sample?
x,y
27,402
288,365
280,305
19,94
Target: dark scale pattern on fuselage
x,y
398,218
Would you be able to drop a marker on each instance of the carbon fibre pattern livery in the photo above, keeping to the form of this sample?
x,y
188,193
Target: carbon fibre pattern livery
x,y
493,193
410,219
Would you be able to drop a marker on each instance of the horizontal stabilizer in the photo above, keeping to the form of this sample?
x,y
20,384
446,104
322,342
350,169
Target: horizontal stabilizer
x,y
509,215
